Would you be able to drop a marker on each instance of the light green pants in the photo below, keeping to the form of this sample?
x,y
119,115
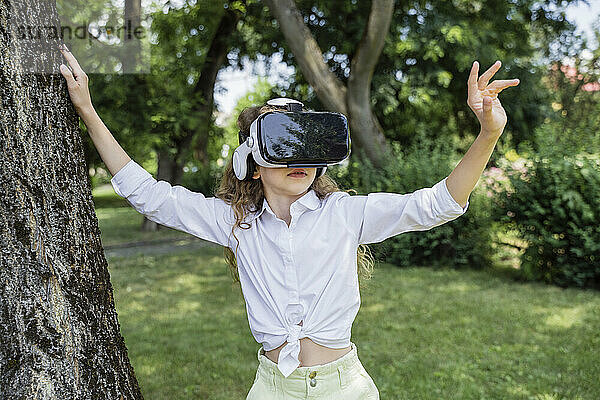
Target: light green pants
x,y
344,378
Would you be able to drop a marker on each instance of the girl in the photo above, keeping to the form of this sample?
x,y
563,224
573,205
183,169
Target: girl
x,y
296,239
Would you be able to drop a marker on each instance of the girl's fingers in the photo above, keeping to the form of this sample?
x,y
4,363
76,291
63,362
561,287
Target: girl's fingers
x,y
64,70
505,82
487,75
77,71
501,84
472,82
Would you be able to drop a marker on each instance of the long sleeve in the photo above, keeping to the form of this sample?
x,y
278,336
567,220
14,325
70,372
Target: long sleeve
x,y
378,216
173,206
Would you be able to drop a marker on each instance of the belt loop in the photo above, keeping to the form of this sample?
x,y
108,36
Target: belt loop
x,y
342,376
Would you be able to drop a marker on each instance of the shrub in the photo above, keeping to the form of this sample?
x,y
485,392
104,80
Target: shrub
x,y
464,242
553,201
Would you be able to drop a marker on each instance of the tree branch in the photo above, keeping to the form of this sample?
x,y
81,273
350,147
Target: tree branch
x,y
368,131
371,44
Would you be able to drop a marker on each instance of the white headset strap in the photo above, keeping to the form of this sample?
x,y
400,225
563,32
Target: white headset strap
x,y
240,159
283,101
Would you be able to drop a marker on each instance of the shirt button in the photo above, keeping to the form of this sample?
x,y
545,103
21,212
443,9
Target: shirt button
x,y
313,382
312,374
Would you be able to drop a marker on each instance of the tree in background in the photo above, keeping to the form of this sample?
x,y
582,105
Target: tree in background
x,y
352,98
225,145
418,80
59,333
419,94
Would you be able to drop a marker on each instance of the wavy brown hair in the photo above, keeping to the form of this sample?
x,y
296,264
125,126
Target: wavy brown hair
x,y
247,196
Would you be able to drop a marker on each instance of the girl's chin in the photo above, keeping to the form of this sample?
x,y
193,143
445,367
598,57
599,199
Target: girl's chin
x,y
296,187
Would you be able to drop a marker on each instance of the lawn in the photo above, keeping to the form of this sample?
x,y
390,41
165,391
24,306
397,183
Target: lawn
x,y
120,223
421,333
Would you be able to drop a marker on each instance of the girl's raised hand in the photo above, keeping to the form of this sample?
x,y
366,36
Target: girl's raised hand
x,y
77,83
483,98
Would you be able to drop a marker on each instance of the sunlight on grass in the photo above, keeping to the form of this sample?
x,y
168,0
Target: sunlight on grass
x,y
458,287
518,391
566,317
147,369
188,306
554,396
374,308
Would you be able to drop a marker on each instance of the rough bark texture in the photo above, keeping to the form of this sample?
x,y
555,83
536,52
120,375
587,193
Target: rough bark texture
x,y
59,334
353,101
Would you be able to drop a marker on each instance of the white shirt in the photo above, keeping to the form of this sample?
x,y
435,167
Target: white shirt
x,y
305,272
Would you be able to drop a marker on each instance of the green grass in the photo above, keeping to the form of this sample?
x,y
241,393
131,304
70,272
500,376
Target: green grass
x,y
123,224
421,333
105,197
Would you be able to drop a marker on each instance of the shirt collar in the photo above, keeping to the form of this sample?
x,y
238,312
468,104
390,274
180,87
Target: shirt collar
x,y
310,200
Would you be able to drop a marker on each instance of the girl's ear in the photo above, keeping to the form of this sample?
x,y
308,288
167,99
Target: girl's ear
x,y
256,173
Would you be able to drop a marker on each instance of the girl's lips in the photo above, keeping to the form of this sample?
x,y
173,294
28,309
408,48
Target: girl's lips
x,y
298,170
294,175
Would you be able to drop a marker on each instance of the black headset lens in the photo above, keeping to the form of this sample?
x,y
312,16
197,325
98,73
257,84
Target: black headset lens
x,y
303,139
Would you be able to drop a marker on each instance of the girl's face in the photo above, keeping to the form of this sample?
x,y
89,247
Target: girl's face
x,y
277,181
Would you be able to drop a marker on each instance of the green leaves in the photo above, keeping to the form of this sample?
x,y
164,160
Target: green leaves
x,y
560,200
454,33
444,78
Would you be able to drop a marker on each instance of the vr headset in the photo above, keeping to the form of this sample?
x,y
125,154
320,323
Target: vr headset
x,y
293,138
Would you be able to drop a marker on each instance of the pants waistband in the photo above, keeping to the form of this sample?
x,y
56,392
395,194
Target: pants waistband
x,y
346,362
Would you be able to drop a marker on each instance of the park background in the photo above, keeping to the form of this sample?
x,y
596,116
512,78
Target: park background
x,y
501,303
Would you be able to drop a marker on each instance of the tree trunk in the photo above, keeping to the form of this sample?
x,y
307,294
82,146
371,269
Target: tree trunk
x,y
205,87
131,45
169,170
354,100
59,333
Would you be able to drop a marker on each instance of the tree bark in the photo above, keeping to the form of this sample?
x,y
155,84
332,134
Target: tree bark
x,y
363,123
353,100
132,46
59,332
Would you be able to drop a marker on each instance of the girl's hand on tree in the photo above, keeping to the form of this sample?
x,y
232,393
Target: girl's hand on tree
x,y
483,99
77,83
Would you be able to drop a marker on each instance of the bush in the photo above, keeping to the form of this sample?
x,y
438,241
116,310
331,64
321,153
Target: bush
x,y
553,201
464,242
